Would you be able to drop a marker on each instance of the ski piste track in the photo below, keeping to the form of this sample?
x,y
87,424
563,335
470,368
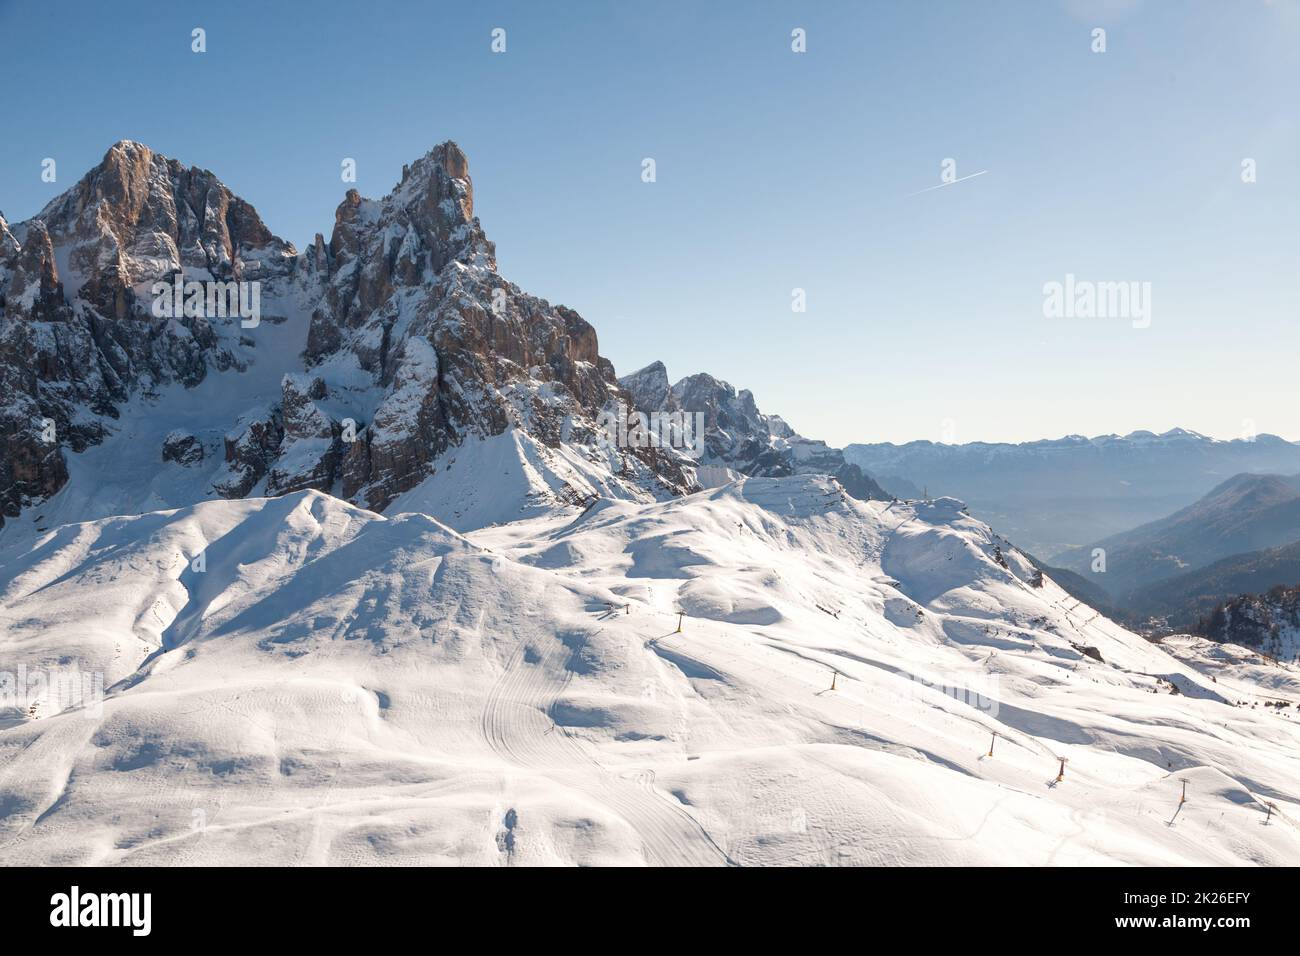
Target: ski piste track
x,y
518,725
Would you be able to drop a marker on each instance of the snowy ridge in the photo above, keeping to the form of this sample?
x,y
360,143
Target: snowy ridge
x,y
337,686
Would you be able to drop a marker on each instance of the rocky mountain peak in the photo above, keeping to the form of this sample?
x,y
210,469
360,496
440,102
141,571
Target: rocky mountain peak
x,y
435,200
400,346
738,438
78,330
403,241
650,389
440,175
407,288
139,216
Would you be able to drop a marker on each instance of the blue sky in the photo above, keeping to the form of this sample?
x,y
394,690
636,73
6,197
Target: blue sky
x,y
775,171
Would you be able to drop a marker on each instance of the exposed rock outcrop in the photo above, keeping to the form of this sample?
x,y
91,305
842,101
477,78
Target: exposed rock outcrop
x,y
309,451
740,438
252,447
182,447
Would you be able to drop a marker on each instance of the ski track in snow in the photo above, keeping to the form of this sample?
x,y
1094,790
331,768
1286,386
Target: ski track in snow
x,y
517,726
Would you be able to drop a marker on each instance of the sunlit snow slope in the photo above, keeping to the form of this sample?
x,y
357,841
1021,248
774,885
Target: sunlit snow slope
x,y
337,686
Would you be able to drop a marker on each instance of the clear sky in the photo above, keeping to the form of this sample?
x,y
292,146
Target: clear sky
x,y
775,171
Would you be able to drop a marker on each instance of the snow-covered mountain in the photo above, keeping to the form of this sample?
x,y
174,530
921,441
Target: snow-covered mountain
x,y
1049,496
737,438
299,680
363,576
379,360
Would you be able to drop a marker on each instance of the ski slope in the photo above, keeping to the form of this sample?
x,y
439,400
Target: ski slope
x,y
340,687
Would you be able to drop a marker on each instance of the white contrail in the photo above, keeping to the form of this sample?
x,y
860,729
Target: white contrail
x,y
941,185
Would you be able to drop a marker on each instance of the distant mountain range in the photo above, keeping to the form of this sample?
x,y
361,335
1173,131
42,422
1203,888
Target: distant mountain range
x,y
1245,513
1242,537
1053,496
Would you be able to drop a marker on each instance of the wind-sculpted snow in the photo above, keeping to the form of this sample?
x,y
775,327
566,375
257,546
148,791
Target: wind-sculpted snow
x,y
297,680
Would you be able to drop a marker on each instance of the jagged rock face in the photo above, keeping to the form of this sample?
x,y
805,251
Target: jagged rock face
x,y
74,347
738,436
309,449
182,447
407,288
650,389
252,448
34,287
139,216
415,344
